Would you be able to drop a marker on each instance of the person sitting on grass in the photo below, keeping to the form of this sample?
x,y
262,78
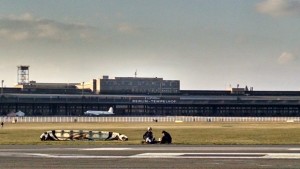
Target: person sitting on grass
x,y
148,136
166,138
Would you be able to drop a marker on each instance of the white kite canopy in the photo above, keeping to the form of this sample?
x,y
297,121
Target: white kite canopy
x,y
82,135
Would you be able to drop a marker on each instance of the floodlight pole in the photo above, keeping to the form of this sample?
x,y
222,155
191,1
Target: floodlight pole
x,y
2,81
82,88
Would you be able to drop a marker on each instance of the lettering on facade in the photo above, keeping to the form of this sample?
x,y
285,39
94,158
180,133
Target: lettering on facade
x,y
154,101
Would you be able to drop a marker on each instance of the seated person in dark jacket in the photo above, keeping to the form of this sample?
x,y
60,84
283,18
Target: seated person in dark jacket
x,y
166,138
148,136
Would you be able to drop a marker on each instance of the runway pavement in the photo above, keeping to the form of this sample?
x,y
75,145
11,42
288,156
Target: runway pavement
x,y
150,156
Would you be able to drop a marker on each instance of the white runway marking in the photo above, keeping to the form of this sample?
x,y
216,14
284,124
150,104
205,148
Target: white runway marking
x,y
283,156
165,155
73,156
294,149
105,149
222,155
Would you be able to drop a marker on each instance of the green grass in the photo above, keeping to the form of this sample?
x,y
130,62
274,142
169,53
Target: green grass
x,y
193,133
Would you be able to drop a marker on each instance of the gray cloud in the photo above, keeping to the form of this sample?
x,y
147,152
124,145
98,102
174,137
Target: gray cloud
x,y
127,28
277,8
28,27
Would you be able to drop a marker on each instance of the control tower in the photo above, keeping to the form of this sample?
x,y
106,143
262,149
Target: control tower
x,y
23,74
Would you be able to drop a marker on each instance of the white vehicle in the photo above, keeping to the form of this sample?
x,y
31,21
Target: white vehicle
x,y
20,114
97,113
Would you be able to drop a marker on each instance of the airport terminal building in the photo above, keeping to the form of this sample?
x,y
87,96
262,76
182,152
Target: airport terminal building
x,y
136,96
134,85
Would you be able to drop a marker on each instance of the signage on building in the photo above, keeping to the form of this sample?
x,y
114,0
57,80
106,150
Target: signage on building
x,y
154,100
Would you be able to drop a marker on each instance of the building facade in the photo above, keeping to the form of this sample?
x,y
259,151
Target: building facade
x,y
137,85
260,105
135,96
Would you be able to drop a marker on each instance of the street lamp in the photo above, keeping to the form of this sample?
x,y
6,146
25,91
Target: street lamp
x,y
82,88
2,81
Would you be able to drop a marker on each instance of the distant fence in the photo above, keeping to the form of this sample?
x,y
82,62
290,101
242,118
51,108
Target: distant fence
x,y
58,119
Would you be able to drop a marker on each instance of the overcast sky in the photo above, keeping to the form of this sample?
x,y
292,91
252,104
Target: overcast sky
x,y
206,44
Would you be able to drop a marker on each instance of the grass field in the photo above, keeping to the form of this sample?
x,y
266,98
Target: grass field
x,y
193,133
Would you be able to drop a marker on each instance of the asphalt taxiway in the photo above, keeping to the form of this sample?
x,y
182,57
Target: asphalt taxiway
x,y
150,156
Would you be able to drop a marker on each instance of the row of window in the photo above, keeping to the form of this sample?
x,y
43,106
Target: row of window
x,y
140,83
120,110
